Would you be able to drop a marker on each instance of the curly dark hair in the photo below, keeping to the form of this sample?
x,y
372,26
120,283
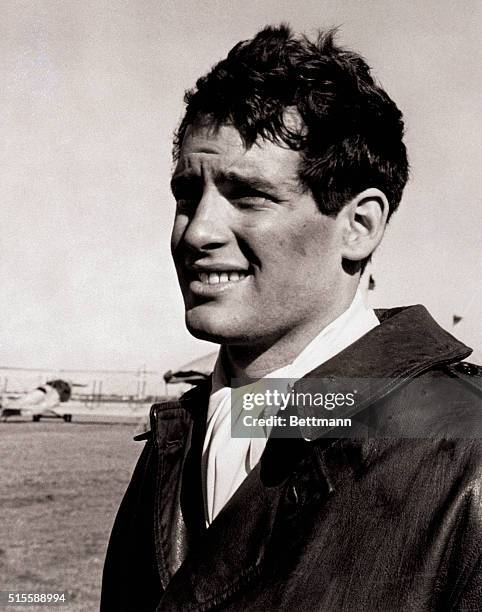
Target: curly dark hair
x,y
352,133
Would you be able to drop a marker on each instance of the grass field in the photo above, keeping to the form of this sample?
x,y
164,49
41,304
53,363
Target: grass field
x,y
60,487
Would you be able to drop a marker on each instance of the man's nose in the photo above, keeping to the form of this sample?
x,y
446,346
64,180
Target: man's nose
x,y
209,226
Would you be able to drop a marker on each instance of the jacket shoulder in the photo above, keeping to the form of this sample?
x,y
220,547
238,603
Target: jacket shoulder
x,y
468,373
189,400
444,401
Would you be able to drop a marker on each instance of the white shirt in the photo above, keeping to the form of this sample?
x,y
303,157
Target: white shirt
x,y
226,461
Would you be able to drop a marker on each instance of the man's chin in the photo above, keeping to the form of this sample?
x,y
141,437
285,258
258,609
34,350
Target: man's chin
x,y
212,329
205,331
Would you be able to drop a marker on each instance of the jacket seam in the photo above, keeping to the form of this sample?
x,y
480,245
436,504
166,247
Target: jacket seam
x,y
159,545
243,579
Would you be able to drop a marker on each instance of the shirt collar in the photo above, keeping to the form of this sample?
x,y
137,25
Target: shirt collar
x,y
357,320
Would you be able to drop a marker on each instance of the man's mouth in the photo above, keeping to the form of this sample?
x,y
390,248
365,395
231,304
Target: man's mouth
x,y
217,278
212,280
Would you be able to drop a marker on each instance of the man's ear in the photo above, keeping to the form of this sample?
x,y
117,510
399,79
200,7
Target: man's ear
x,y
364,221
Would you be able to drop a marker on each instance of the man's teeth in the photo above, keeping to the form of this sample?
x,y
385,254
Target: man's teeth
x,y
214,278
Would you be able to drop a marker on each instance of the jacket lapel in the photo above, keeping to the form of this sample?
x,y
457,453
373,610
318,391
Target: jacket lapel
x,y
173,424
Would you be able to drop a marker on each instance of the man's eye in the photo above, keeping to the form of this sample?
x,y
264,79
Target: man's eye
x,y
247,202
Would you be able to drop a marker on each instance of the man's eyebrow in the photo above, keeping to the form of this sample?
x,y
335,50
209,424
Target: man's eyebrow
x,y
247,180
189,179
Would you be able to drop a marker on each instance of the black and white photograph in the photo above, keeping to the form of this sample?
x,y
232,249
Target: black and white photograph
x,y
240,349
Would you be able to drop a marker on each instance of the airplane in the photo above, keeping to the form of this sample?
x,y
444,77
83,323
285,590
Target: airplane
x,y
191,373
46,401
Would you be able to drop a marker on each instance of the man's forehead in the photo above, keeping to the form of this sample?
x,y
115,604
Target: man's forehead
x,y
222,150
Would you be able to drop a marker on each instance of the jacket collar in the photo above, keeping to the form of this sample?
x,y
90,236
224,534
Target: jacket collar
x,y
407,343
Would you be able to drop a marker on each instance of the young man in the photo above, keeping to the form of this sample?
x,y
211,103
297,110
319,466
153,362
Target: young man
x,y
289,163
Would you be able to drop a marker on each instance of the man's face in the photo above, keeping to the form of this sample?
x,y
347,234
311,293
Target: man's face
x,y
255,257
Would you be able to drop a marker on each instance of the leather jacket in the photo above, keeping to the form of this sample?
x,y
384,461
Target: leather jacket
x,y
366,523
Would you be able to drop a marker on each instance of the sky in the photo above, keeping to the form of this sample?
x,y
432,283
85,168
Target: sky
x,y
91,94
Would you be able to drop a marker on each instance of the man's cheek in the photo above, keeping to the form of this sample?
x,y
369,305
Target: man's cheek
x,y
178,229
175,235
297,246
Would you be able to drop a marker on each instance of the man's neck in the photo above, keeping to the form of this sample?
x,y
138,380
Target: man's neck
x,y
256,361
